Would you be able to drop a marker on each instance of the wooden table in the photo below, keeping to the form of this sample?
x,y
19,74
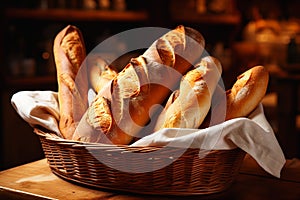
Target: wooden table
x,y
36,181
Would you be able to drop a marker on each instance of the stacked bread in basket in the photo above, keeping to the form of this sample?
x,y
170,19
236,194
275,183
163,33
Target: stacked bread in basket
x,y
97,135
121,107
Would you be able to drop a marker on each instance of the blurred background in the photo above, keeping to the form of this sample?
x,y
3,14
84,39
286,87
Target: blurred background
x,y
241,34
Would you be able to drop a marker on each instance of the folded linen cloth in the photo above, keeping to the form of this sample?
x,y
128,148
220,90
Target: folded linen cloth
x,y
254,134
38,108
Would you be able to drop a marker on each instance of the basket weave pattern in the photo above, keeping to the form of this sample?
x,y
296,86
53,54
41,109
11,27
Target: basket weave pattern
x,y
189,174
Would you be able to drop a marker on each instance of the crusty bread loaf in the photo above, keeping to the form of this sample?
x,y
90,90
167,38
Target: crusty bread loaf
x,y
239,101
99,72
179,47
247,92
187,107
145,82
69,54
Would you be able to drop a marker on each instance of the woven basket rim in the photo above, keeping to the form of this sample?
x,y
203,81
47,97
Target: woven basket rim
x,y
51,137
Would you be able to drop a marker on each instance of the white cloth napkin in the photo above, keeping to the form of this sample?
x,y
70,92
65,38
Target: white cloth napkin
x,y
254,134
38,108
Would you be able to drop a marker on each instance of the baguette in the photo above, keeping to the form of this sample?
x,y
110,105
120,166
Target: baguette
x,y
145,82
69,54
178,48
188,106
240,100
247,92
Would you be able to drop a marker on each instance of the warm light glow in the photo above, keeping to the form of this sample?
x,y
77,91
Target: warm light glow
x,y
45,55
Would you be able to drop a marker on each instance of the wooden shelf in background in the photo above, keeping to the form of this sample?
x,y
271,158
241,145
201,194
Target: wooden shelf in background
x,y
214,19
76,14
30,81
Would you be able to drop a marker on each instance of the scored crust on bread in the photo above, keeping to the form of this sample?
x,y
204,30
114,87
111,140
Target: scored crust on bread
x,y
178,48
146,81
69,54
99,122
188,106
99,72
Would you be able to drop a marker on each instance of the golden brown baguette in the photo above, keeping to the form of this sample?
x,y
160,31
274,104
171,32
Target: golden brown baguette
x,y
99,72
247,92
69,54
145,82
239,101
177,48
188,106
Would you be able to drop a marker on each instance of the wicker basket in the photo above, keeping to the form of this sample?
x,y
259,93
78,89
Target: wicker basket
x,y
188,174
